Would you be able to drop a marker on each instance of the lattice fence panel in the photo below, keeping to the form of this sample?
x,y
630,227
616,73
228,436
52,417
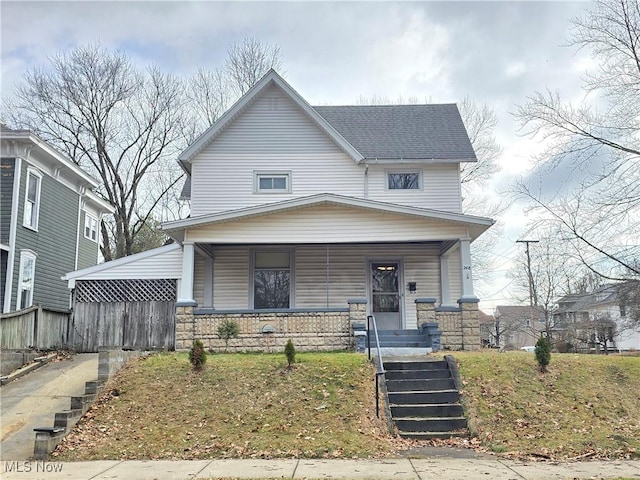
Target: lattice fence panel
x,y
160,290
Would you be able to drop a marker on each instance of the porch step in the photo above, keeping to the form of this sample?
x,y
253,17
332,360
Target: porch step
x,y
402,351
421,385
402,339
428,410
431,424
417,374
413,365
423,400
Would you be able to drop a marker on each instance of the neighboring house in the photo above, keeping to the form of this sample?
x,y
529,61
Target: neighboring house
x,y
49,221
591,320
487,325
517,326
306,219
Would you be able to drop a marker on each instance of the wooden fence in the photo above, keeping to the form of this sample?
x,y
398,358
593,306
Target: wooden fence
x,y
145,325
35,327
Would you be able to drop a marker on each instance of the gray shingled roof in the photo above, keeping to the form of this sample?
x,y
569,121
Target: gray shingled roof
x,y
402,131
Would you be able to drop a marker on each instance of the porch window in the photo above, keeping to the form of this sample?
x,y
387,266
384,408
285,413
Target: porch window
x,y
403,180
271,279
25,282
272,182
32,200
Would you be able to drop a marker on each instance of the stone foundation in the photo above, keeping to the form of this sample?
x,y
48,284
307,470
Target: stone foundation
x,y
460,326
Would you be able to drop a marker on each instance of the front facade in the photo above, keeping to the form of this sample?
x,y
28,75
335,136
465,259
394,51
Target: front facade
x,y
306,219
49,222
517,326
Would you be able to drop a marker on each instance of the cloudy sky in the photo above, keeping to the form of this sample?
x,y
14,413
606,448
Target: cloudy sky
x,y
495,52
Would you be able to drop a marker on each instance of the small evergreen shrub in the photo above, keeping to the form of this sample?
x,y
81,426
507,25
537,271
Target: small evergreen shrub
x,y
543,353
290,352
197,355
227,330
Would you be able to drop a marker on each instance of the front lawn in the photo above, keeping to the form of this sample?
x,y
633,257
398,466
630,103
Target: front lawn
x,y
240,405
585,406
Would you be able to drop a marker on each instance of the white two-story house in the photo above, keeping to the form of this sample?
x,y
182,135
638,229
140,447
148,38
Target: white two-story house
x,y
304,220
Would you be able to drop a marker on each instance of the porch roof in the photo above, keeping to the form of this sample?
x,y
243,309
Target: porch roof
x,y
472,225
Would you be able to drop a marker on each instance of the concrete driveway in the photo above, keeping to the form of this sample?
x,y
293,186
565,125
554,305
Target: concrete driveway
x,y
32,401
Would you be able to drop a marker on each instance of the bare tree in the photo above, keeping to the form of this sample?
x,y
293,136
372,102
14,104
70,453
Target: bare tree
x,y
599,137
114,120
249,61
548,279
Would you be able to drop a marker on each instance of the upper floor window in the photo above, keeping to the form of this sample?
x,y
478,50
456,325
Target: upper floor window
x,y
623,310
26,279
90,227
403,180
32,199
272,182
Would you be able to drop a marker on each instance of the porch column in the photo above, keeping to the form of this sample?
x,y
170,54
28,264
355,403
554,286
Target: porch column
x,y
467,277
185,295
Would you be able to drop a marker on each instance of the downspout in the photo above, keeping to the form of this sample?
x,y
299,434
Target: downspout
x,y
366,180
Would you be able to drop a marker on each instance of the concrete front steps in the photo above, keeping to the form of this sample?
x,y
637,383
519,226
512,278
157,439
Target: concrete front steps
x,y
402,343
423,399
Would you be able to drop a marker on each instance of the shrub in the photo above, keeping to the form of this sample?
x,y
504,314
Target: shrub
x,y
290,352
197,355
227,330
543,353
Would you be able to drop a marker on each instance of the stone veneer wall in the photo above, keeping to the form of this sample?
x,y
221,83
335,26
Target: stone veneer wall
x,y
460,326
309,330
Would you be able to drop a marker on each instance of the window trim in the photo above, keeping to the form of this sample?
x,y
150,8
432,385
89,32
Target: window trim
x,y
258,174
88,216
24,256
27,222
252,262
416,171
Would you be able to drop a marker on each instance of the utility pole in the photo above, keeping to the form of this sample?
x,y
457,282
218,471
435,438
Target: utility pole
x,y
529,274
532,298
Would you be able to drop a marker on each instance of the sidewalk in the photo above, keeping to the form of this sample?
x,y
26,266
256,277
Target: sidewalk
x,y
400,469
33,400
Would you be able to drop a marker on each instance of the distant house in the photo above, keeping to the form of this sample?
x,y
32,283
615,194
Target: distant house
x,y
305,219
49,221
591,320
517,326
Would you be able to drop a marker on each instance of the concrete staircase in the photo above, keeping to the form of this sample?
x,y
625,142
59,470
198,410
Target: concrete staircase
x,y
423,399
403,342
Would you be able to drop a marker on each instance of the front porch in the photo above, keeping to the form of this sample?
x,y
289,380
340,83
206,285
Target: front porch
x,y
317,330
295,267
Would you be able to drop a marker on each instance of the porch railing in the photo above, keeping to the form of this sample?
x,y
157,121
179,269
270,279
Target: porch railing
x,y
371,320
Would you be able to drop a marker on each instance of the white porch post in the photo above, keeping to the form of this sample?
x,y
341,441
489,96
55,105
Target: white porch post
x,y
467,277
185,295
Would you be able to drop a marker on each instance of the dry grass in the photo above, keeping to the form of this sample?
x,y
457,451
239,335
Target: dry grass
x,y
240,405
585,406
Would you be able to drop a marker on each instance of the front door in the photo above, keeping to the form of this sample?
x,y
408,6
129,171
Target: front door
x,y
386,303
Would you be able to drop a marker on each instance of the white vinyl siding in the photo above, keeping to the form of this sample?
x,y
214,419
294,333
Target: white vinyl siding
x,y
273,134
166,264
330,223
439,187
231,278
347,274
455,275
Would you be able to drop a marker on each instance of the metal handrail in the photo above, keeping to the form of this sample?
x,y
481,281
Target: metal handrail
x,y
380,371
